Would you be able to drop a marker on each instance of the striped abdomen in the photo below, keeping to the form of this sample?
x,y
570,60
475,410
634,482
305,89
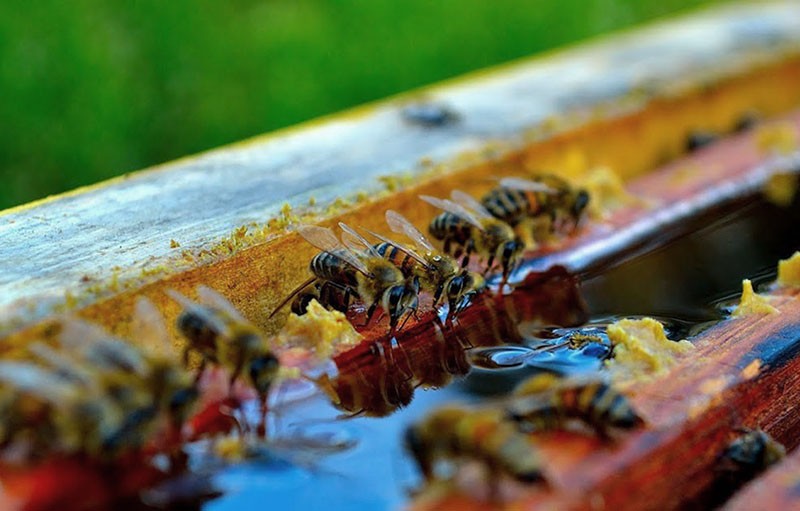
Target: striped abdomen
x,y
507,204
328,294
596,404
599,405
397,257
488,438
449,227
327,266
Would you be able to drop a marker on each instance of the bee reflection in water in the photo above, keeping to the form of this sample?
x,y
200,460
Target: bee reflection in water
x,y
378,378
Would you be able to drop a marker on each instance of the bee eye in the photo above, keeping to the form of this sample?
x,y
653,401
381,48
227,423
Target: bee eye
x,y
581,201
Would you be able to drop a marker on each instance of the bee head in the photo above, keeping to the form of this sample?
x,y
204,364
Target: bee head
x,y
262,370
397,300
463,285
580,203
626,420
182,401
191,324
415,444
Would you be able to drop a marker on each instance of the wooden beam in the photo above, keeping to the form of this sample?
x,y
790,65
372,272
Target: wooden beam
x,y
94,248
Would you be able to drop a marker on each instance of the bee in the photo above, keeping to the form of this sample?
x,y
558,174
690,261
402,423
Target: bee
x,y
455,433
541,202
221,335
329,294
751,453
466,227
438,273
148,366
60,415
546,402
357,270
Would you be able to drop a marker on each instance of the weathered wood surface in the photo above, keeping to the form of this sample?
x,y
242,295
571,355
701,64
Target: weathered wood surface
x,y
98,242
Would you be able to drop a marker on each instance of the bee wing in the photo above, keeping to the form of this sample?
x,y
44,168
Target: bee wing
x,y
78,333
28,377
468,202
401,247
355,241
213,299
526,185
401,225
148,325
325,240
452,207
61,363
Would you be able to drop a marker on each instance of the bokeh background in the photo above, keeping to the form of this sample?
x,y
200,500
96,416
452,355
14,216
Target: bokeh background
x,y
94,89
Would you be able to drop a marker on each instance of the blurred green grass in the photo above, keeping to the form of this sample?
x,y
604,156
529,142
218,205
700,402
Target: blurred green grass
x,y
94,89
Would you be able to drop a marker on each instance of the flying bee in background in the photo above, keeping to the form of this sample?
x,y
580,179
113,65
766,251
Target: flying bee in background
x,y
438,273
455,433
467,227
357,270
537,204
546,402
221,335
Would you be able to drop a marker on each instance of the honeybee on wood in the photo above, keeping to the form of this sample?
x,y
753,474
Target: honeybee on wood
x,y
467,227
328,294
751,453
454,433
221,335
356,270
438,273
148,365
540,203
62,415
546,402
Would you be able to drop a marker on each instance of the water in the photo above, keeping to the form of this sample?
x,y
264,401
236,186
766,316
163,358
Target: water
x,y
321,460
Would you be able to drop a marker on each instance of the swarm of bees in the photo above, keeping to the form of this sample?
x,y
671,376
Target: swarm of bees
x,y
389,275
497,437
83,390
86,391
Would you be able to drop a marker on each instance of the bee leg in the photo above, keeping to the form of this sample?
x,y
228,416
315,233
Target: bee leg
x,y
200,370
370,313
262,421
493,482
234,375
437,295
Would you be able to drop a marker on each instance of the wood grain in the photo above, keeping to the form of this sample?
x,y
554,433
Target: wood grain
x,y
95,248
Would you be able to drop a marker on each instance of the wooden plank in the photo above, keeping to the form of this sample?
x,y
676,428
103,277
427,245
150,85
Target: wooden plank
x,y
98,245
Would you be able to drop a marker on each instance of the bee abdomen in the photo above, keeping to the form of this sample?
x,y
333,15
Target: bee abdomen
x,y
447,226
397,257
507,204
328,266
